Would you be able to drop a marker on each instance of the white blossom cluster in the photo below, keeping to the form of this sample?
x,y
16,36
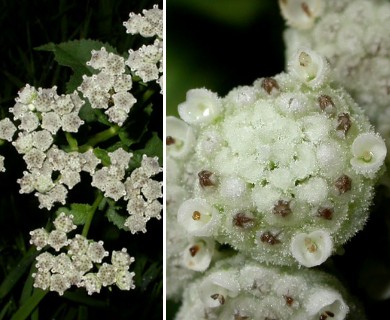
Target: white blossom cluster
x,y
141,192
147,61
282,171
75,267
353,36
240,289
109,88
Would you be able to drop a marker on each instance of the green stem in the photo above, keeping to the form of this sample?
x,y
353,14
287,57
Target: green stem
x,y
71,141
91,213
99,137
31,303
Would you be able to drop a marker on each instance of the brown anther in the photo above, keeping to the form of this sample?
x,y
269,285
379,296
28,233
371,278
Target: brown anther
x,y
268,84
330,313
325,102
344,123
289,300
169,140
269,238
196,215
219,297
343,184
282,208
194,250
238,316
310,245
306,9
326,213
206,178
304,59
323,316
243,221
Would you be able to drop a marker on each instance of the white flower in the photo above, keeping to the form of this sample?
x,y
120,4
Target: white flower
x,y
180,138
198,254
200,108
309,67
312,249
301,14
369,152
326,302
198,217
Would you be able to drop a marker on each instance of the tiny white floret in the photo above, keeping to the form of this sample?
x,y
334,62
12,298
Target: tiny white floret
x,y
198,217
180,138
301,14
369,152
312,249
200,108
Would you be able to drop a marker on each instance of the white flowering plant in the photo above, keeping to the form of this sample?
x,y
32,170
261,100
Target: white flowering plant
x,y
82,158
277,188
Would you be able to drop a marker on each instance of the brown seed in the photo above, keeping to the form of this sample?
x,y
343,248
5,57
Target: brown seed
x,y
196,215
306,9
269,84
243,221
343,184
206,178
289,300
169,140
344,123
325,102
219,297
326,213
330,313
269,238
194,250
282,208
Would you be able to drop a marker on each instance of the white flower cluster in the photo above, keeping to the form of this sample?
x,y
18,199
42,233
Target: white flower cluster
x,y
138,188
240,289
282,171
75,265
147,61
109,88
353,36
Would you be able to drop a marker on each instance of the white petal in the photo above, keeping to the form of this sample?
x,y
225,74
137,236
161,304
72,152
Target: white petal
x,y
181,137
369,151
309,67
311,249
198,217
198,254
200,108
323,301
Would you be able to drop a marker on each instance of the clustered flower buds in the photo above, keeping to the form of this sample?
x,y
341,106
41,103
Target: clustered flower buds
x,y
81,262
147,61
283,172
240,289
353,36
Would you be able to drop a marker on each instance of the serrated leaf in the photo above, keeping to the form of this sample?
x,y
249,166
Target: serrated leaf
x,y
78,210
75,54
115,218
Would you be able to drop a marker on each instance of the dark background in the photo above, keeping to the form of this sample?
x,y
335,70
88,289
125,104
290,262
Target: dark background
x,y
24,25
222,44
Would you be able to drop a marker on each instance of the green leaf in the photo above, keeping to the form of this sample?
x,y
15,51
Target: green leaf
x,y
114,217
31,303
17,272
154,147
103,156
75,54
78,210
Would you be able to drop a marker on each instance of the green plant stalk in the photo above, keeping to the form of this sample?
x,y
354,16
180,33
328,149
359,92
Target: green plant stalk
x,y
99,137
31,303
91,213
71,141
